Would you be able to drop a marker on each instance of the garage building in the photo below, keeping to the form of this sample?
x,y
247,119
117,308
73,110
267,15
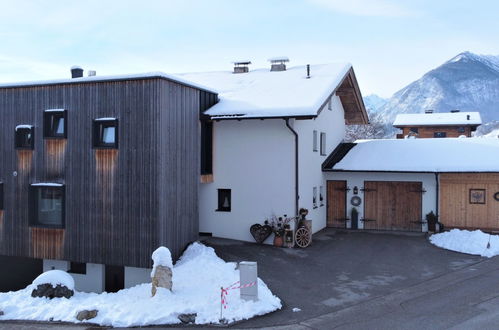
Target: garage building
x,y
394,184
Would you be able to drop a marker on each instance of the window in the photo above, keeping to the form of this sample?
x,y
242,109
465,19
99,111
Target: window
x,y
315,141
1,195
321,195
206,147
78,268
330,104
440,134
414,130
323,144
105,133
224,200
460,129
47,205
314,198
24,138
55,123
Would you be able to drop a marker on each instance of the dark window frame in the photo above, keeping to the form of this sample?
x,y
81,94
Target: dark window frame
x,y
206,147
98,127
222,193
19,138
33,206
323,143
414,130
440,134
1,196
461,129
49,126
77,268
314,197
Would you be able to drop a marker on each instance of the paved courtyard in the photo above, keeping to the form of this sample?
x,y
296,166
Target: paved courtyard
x,y
367,280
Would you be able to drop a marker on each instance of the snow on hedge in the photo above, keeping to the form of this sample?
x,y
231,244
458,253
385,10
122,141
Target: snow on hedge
x,y
197,278
470,242
55,277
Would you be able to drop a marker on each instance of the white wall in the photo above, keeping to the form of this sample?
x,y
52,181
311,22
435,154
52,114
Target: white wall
x,y
135,276
357,179
332,122
255,159
92,281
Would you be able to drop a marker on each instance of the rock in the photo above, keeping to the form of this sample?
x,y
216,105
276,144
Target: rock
x,y
162,279
86,315
188,318
48,291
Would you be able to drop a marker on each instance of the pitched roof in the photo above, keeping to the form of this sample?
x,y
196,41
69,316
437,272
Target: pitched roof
x,y
91,79
262,93
421,155
434,119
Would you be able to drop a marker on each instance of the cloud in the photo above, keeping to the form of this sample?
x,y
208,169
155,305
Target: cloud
x,y
382,8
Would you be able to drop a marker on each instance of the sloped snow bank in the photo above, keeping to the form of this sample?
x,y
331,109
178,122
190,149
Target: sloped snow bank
x,y
197,278
470,242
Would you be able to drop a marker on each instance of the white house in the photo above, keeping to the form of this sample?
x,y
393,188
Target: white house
x,y
272,130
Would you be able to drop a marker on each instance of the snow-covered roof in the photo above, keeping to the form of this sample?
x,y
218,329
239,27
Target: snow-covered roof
x,y
421,155
432,119
262,93
171,77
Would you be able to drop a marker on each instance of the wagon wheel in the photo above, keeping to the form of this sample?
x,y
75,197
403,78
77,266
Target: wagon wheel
x,y
302,237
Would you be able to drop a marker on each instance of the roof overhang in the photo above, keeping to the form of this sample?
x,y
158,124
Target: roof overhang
x,y
351,99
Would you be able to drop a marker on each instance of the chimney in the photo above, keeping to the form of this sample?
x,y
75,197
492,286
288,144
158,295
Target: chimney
x,y
308,71
76,72
278,63
467,117
428,111
454,111
92,73
241,66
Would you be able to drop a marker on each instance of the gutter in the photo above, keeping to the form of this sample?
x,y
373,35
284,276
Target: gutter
x,y
437,179
297,196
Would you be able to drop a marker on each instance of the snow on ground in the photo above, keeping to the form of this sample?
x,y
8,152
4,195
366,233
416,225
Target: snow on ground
x,y
197,278
55,277
470,242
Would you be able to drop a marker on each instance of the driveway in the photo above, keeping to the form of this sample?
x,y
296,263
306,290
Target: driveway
x,y
367,280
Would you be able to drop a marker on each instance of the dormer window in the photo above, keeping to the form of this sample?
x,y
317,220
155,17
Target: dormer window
x,y
55,123
24,138
105,133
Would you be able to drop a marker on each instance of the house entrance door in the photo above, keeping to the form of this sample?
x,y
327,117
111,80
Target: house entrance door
x,y
336,204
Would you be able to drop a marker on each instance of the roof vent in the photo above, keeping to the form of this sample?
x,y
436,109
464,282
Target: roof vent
x,y
278,63
76,71
241,66
428,111
454,111
92,73
468,117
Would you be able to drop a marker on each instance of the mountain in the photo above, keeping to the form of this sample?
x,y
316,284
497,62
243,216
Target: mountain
x,y
468,82
374,102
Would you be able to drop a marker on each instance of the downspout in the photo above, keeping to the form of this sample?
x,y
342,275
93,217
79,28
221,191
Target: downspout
x,y
437,179
296,164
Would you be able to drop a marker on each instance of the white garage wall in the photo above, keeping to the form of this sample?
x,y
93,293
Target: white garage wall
x,y
255,159
357,179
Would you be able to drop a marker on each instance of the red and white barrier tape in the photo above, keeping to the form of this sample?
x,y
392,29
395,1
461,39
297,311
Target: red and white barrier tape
x,y
225,292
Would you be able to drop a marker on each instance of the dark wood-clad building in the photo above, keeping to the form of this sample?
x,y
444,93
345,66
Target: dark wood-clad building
x,y
100,170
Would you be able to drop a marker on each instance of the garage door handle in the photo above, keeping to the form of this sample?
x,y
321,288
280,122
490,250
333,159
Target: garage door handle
x,y
422,222
367,220
342,219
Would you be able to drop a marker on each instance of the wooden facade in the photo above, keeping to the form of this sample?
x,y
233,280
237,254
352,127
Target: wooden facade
x,y
336,203
120,204
430,131
460,209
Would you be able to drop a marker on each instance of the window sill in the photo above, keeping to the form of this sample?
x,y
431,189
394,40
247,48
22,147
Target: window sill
x,y
105,147
217,210
55,137
314,207
24,148
46,226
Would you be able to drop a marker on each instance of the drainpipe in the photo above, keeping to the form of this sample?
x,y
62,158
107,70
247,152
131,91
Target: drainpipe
x,y
296,164
438,192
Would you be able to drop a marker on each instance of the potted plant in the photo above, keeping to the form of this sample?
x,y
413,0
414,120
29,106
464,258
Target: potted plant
x,y
278,225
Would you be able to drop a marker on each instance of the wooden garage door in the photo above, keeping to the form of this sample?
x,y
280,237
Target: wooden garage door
x,y
336,203
392,205
457,207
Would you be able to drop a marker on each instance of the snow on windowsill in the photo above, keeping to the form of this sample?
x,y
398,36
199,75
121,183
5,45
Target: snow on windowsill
x,y
23,127
47,184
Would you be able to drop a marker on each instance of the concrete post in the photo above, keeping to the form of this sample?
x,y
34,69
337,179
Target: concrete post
x,y
248,274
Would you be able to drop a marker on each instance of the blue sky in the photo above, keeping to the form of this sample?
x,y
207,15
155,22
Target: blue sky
x,y
390,43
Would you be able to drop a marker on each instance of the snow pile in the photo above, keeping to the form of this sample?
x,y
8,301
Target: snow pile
x,y
161,257
470,242
55,277
198,276
439,118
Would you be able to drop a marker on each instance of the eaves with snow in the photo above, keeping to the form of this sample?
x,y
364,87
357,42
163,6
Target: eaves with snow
x,y
262,93
438,119
416,155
